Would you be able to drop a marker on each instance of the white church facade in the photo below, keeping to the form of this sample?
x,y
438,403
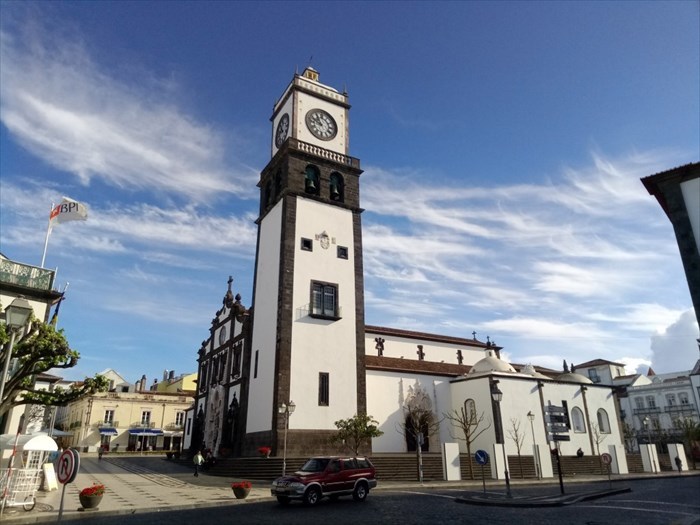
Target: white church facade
x,y
304,341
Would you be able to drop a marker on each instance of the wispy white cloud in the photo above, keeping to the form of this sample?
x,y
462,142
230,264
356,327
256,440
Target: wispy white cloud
x,y
560,262
82,118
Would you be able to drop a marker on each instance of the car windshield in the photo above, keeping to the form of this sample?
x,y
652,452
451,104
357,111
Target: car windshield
x,y
315,465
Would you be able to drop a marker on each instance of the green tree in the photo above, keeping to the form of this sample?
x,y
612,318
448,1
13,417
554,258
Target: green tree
x,y
43,349
356,431
690,431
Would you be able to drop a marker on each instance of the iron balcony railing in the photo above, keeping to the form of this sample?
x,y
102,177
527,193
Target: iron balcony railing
x,y
107,424
25,275
649,410
675,409
141,424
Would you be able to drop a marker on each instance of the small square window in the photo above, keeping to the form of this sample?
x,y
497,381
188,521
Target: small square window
x,y
342,252
307,245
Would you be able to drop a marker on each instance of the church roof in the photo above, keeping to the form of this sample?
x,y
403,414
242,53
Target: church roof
x,y
416,366
597,362
381,330
573,377
491,363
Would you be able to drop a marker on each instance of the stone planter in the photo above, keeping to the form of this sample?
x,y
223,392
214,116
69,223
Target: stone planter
x,y
241,492
90,502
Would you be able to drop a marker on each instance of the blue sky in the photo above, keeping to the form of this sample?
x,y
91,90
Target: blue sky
x,y
502,143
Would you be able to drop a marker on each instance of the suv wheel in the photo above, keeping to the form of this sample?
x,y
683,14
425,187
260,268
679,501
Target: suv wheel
x,y
360,492
312,496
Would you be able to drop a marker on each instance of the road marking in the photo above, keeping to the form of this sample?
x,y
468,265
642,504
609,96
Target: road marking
x,y
425,494
646,502
656,511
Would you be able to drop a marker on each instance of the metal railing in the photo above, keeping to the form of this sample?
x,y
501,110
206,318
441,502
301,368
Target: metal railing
x,y
25,275
141,424
650,410
680,408
106,424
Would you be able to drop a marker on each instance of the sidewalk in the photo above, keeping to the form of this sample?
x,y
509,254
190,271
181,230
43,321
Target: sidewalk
x,y
135,489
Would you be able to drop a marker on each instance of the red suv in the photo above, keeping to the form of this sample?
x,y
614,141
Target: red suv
x,y
330,476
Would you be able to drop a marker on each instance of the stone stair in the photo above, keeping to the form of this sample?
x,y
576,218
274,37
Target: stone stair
x,y
404,467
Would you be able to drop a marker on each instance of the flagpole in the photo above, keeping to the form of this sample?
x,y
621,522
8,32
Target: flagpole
x,y
46,241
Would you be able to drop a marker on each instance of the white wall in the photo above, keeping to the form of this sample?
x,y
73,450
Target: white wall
x,y
260,394
386,395
321,345
397,347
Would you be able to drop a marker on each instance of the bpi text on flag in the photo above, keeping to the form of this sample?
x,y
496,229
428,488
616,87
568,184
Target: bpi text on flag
x,y
68,210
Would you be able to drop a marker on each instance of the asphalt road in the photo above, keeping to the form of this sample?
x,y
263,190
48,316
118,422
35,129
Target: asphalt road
x,y
654,501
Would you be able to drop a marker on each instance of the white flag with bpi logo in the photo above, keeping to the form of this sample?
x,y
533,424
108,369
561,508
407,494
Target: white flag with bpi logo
x,y
68,210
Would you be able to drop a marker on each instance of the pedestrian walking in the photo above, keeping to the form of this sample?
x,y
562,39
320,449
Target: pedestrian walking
x,y
679,464
198,460
100,451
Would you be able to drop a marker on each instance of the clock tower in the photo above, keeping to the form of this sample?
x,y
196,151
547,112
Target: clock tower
x,y
307,342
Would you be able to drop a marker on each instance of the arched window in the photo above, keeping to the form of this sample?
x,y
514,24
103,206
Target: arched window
x,y
577,420
603,421
269,197
470,411
278,183
337,187
311,176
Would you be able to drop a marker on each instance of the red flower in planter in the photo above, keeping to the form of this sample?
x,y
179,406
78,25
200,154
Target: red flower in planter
x,y
97,489
241,485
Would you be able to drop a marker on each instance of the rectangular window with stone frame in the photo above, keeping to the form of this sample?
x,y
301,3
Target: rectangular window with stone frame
x,y
323,389
324,300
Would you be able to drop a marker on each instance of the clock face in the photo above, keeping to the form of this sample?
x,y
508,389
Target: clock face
x,y
321,124
282,130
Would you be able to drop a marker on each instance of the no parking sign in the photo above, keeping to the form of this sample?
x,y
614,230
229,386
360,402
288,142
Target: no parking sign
x,y
68,466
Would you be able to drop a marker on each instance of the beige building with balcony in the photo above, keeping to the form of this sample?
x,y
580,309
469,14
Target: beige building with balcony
x,y
129,419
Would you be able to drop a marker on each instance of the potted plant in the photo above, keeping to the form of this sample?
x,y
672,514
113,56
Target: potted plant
x,y
241,489
265,451
91,497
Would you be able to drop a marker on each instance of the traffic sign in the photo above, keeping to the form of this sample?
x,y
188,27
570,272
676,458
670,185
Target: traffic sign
x,y
606,458
481,457
68,466
551,409
558,437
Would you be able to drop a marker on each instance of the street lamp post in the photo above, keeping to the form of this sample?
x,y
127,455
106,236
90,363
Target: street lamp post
x,y
535,450
286,409
16,317
647,424
497,396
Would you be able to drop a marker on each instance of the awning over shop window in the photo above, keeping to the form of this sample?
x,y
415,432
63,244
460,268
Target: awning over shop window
x,y
108,431
145,432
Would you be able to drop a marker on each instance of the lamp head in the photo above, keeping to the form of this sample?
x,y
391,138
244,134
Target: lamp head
x,y
291,407
531,416
18,313
496,394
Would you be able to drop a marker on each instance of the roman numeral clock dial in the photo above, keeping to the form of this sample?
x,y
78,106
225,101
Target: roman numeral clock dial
x,y
321,124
